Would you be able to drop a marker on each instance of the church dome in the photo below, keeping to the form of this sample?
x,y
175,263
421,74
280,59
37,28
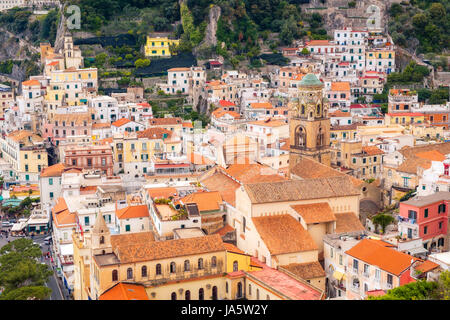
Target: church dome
x,y
310,80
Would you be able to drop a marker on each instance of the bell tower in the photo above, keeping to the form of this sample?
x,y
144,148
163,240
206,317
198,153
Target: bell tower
x,y
101,237
309,125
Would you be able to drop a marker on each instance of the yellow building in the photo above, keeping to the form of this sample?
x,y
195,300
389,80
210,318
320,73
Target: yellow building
x,y
404,118
159,46
26,153
343,132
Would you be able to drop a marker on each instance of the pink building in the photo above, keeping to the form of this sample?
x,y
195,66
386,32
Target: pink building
x,y
64,125
98,157
426,218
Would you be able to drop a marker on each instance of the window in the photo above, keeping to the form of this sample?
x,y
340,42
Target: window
x,y
243,224
127,228
201,294
187,266
389,279
50,181
129,273
174,296
158,269
187,295
200,263
235,266
144,271
214,293
257,294
425,230
412,214
355,265
340,259
51,195
102,240
440,225
213,262
114,275
425,214
86,221
173,267
441,208
366,269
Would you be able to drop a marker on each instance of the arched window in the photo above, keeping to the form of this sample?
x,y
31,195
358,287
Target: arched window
x,y
214,262
235,266
144,271
303,109
158,268
102,240
173,267
200,263
129,273
239,290
318,109
115,276
300,136
214,293
320,138
187,266
174,296
187,295
201,294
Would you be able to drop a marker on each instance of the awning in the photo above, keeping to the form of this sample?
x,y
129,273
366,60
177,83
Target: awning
x,y
66,249
339,275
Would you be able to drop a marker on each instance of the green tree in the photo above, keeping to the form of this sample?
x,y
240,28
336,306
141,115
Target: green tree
x,y
419,290
27,293
20,268
142,63
383,220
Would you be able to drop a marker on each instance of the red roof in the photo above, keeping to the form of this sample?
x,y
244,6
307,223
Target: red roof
x,y
406,114
226,103
120,122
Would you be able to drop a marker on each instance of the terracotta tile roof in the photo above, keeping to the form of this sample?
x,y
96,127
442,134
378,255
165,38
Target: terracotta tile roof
x,y
187,125
426,266
120,122
226,103
101,125
405,114
55,170
219,113
132,212
165,121
206,201
157,250
308,168
178,69
165,193
155,133
269,123
347,222
352,126
283,234
222,183
376,254
306,271
261,105
223,231
318,43
409,152
411,165
433,155
294,190
31,83
339,113
315,212
253,173
232,248
125,291
372,150
340,86
62,217
24,135
78,119
128,239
